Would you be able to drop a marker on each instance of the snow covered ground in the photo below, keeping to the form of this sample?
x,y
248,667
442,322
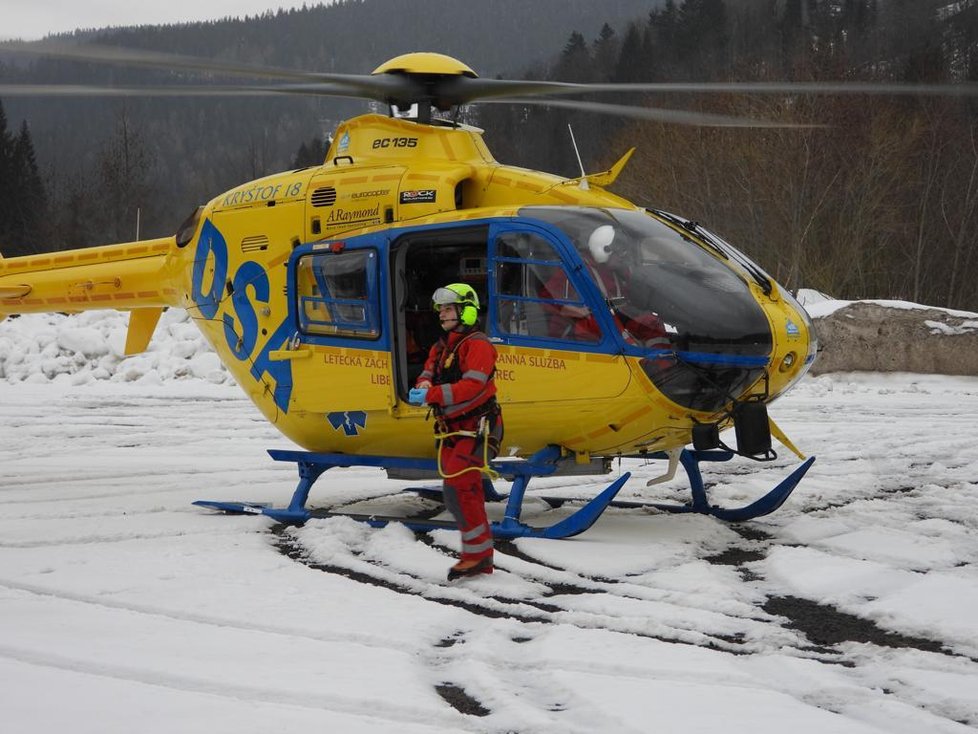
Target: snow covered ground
x,y
124,608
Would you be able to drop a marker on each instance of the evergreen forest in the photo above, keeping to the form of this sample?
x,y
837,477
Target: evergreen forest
x,y
873,196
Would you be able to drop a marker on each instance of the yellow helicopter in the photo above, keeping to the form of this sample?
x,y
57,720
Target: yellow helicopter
x,y
314,287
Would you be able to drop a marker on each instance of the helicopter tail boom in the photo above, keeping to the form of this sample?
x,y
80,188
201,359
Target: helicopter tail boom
x,y
124,277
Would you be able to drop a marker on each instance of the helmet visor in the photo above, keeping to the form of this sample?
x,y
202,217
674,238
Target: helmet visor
x,y
444,296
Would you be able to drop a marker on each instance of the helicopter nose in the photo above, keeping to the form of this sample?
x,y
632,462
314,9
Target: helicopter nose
x,y
795,343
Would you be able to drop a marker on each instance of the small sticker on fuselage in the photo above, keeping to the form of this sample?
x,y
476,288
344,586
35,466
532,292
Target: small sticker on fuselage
x,y
420,196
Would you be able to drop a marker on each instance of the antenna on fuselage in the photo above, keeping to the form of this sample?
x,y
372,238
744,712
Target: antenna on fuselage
x,y
584,184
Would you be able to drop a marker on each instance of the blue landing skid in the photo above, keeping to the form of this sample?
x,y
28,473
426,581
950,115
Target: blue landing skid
x,y
544,462
690,461
701,504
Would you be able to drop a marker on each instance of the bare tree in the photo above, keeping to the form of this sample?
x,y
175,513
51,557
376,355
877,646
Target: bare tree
x,y
125,179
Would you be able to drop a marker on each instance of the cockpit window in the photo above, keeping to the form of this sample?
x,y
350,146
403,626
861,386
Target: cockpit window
x,y
536,297
704,335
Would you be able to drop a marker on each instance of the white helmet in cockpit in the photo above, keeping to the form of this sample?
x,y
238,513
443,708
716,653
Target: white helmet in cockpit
x,y
599,243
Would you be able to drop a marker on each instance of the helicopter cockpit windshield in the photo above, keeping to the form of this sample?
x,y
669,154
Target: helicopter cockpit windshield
x,y
703,336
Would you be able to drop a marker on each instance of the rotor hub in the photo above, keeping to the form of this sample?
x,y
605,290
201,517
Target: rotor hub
x,y
425,63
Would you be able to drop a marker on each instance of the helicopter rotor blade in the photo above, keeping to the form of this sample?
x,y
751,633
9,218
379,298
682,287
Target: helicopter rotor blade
x,y
655,114
174,90
957,89
475,89
150,59
380,87
442,91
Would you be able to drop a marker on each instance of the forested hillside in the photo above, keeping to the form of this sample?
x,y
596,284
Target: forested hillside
x,y
879,198
879,201
104,158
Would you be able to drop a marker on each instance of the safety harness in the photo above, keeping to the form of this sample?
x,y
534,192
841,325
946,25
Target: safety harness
x,y
447,371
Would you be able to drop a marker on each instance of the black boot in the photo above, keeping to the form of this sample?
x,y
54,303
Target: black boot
x,y
470,568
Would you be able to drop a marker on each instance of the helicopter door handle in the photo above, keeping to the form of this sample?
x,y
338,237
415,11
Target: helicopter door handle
x,y
282,355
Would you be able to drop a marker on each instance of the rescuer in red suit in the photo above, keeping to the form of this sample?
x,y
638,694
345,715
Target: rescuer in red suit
x,y
577,322
457,382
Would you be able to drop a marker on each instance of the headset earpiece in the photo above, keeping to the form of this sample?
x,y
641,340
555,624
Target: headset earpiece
x,y
468,316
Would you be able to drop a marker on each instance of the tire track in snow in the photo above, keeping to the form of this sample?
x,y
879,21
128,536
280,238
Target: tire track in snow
x,y
121,537
555,606
380,709
372,641
794,621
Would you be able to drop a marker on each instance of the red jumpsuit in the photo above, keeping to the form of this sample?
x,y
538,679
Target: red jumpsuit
x,y
463,390
559,287
647,329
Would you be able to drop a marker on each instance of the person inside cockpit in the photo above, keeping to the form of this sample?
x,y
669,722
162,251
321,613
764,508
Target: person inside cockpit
x,y
569,321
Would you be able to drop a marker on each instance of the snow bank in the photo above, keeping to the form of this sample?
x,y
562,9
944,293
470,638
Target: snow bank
x,y
891,336
876,336
90,346
820,305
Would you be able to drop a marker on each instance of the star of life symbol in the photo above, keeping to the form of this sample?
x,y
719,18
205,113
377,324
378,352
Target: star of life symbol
x,y
350,421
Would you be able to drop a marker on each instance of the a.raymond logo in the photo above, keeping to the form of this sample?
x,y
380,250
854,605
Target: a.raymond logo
x,y
354,216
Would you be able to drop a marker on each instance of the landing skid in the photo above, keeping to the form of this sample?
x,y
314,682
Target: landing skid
x,y
701,505
543,463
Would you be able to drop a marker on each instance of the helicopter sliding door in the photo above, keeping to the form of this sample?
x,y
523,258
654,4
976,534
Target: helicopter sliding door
x,y
524,277
340,349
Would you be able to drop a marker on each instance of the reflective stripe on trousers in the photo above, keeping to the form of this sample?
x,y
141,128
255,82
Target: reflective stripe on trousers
x,y
463,494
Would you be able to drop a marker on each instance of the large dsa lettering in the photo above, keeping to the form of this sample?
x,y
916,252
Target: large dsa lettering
x,y
249,284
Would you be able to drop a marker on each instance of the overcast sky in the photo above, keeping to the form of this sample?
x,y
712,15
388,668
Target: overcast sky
x,y
33,19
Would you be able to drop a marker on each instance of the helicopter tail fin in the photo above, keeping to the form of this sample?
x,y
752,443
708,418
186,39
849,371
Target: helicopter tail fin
x,y
142,324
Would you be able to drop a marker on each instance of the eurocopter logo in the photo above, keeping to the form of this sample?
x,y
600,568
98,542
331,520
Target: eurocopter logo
x,y
418,197
344,143
792,328
351,421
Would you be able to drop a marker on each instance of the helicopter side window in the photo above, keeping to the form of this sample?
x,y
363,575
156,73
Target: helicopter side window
x,y
336,294
536,296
